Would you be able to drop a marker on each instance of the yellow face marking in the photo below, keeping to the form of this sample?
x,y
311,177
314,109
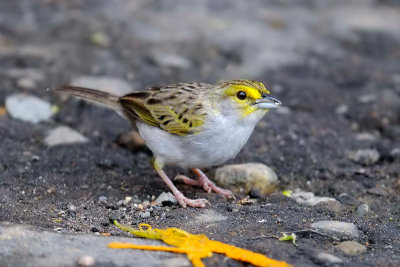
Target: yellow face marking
x,y
254,91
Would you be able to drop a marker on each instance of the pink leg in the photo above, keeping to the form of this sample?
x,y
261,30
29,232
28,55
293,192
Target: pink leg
x,y
196,203
203,181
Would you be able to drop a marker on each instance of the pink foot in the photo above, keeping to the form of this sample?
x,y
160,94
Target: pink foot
x,y
195,203
206,183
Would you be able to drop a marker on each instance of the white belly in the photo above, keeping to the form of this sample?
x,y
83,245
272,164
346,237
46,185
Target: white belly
x,y
216,144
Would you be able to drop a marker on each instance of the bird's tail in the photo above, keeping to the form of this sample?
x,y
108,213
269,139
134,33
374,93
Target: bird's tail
x,y
107,99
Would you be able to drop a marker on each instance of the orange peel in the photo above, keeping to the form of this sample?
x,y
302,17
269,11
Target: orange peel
x,y
196,247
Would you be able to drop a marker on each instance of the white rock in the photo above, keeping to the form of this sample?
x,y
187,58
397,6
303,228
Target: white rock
x,y
351,247
326,257
363,209
309,199
245,177
28,108
86,261
364,156
365,137
342,229
342,109
166,199
64,135
108,84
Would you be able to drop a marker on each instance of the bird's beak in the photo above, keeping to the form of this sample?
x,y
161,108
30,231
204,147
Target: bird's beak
x,y
267,102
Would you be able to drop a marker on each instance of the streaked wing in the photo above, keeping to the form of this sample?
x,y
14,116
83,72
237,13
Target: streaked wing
x,y
175,108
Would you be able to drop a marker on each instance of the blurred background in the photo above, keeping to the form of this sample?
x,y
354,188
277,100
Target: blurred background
x,y
335,65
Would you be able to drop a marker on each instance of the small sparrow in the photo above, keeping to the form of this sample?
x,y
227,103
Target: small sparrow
x,y
190,125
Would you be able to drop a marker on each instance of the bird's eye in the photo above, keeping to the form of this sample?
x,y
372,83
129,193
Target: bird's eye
x,y
241,95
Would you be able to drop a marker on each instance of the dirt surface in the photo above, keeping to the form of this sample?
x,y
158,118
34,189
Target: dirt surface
x,y
334,65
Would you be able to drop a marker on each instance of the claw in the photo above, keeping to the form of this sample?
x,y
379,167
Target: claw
x,y
195,203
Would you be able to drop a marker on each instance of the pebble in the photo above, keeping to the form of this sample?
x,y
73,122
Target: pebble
x,y
378,191
64,135
71,207
247,177
168,60
364,156
144,215
108,84
166,199
329,258
342,109
351,247
365,137
126,201
366,99
146,204
309,199
86,261
28,108
341,229
363,209
100,39
395,153
103,199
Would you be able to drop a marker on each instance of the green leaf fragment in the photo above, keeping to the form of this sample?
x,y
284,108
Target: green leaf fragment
x,y
292,237
287,193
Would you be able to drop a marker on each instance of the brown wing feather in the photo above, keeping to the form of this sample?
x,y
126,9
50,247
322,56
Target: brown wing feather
x,y
174,108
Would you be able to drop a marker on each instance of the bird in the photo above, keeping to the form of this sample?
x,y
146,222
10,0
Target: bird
x,y
191,125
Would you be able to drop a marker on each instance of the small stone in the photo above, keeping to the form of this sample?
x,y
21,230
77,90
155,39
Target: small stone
x,y
378,191
64,135
100,39
309,199
341,229
365,99
71,207
26,83
28,108
395,153
329,258
126,201
247,177
86,261
365,137
351,248
342,109
168,60
363,209
364,156
144,215
103,199
108,84
146,204
51,190
118,204
95,229
166,199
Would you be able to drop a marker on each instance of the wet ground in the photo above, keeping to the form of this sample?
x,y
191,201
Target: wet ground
x,y
334,65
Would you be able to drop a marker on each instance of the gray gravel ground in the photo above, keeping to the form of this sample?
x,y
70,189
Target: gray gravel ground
x,y
334,64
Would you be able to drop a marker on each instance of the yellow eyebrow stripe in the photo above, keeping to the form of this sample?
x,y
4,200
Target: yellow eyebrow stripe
x,y
250,91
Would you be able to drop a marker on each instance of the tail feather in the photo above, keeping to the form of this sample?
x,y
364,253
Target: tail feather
x,y
107,99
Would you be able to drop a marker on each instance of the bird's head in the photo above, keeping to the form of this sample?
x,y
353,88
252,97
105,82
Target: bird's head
x,y
248,97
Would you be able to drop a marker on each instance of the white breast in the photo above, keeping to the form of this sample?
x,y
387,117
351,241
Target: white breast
x,y
220,140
